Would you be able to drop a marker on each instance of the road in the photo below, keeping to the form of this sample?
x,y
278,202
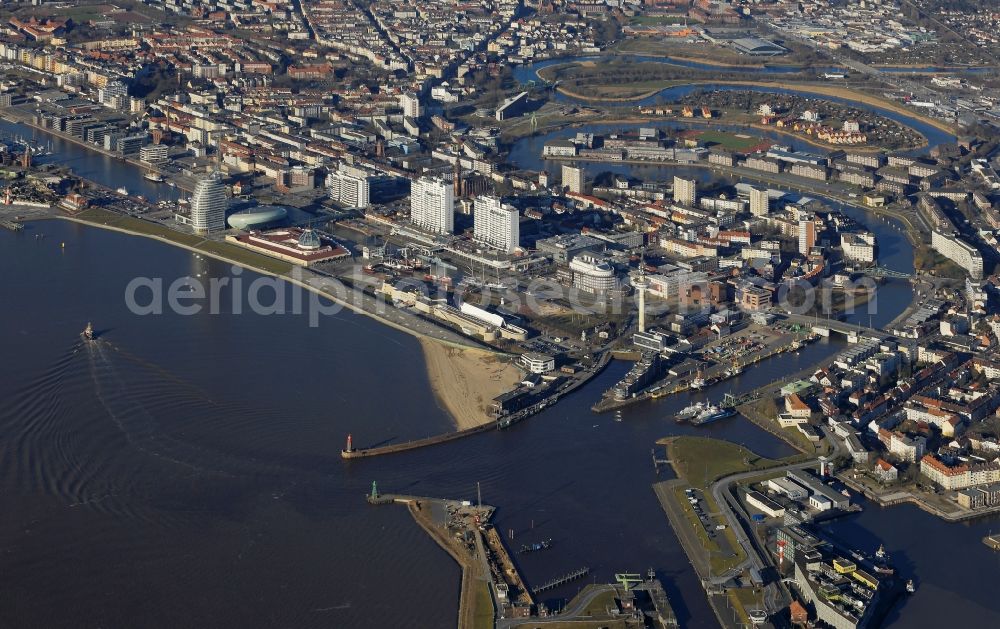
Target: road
x,y
776,596
568,614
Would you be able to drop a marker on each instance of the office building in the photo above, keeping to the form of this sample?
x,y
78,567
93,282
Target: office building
x,y
573,178
537,363
349,186
760,203
208,204
858,247
129,144
496,224
432,205
512,107
593,275
685,191
153,153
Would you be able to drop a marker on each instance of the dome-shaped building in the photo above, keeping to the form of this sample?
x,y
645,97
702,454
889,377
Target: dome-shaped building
x,y
309,241
257,217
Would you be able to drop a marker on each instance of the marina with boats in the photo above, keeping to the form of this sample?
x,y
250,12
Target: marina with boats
x,y
654,376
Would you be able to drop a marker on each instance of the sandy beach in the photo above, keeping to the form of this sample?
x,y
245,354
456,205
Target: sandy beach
x,y
466,380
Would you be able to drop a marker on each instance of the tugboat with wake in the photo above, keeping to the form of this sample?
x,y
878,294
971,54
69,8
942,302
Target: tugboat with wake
x,y
88,333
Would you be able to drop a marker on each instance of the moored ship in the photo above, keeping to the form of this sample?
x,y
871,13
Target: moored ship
x,y
712,413
690,412
699,381
153,176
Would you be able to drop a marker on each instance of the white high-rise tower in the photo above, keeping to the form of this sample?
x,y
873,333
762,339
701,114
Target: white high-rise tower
x,y
208,204
432,205
496,223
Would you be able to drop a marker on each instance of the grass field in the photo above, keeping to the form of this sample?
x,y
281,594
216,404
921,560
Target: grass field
x,y
745,599
248,258
483,618
147,228
578,624
729,141
139,226
700,461
761,410
599,606
636,90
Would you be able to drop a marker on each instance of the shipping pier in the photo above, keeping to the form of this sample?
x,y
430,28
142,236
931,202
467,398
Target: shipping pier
x,y
13,226
463,530
654,381
552,584
501,421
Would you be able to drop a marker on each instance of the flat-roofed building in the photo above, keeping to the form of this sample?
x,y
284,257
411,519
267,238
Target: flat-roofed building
x,y
764,504
537,363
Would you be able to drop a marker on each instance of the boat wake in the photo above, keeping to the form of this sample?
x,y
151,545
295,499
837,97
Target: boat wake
x,y
157,414
99,429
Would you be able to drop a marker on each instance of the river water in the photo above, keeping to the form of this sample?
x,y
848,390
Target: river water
x,y
184,471
189,466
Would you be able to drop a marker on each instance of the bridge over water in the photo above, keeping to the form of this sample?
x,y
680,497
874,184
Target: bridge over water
x,y
881,271
824,327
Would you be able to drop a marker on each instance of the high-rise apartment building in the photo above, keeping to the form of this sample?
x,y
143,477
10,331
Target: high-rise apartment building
x,y
685,191
411,105
349,186
495,223
807,233
760,203
573,178
432,205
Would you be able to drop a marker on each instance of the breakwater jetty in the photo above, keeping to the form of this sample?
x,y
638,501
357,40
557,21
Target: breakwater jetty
x,y
491,582
502,422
